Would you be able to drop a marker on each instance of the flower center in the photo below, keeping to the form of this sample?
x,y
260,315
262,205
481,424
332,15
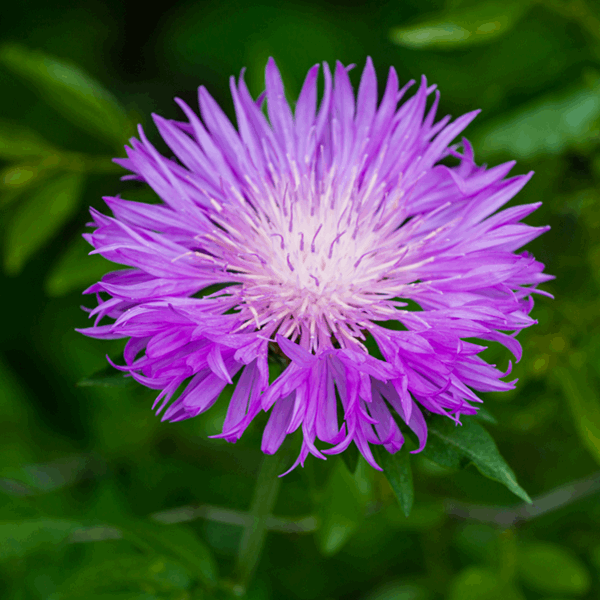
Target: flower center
x,y
317,261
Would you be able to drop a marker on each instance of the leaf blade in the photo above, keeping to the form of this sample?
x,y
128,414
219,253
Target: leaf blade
x,y
480,23
474,442
176,541
39,217
76,269
105,578
17,142
76,95
19,538
547,126
397,470
584,407
553,569
341,511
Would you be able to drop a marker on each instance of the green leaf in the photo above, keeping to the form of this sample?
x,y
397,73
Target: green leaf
x,y
17,179
108,377
396,468
552,569
478,541
472,441
130,574
77,96
483,414
111,596
19,538
46,477
76,270
17,142
341,510
176,541
39,217
546,126
441,453
424,517
479,583
482,22
350,457
398,590
584,405
19,423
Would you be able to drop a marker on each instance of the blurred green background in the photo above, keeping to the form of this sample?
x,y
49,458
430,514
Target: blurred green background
x,y
89,477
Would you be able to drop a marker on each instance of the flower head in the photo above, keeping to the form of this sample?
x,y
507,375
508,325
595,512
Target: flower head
x,y
328,231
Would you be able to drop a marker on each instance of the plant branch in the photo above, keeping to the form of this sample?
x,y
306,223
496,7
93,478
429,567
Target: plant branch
x,y
260,520
508,517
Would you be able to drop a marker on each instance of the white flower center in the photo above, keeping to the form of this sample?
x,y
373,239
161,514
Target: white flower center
x,y
322,261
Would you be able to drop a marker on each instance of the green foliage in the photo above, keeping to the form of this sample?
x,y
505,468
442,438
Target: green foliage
x,y
341,509
425,516
397,470
176,541
88,473
19,538
127,576
39,217
71,91
470,440
476,23
480,583
45,477
552,569
350,457
265,494
76,269
108,377
478,541
585,407
18,142
399,590
549,126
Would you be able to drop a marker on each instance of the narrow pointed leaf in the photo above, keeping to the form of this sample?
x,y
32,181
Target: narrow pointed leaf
x,y
396,467
77,96
441,453
350,457
108,377
39,217
341,511
483,414
75,270
18,179
482,22
583,401
16,141
547,126
472,441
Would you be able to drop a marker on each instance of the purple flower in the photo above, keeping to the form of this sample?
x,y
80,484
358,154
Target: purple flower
x,y
323,228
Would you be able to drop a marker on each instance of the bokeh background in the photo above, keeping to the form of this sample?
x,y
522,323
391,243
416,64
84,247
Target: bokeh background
x,y
89,476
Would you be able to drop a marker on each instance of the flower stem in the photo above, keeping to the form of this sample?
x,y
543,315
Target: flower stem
x,y
263,502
